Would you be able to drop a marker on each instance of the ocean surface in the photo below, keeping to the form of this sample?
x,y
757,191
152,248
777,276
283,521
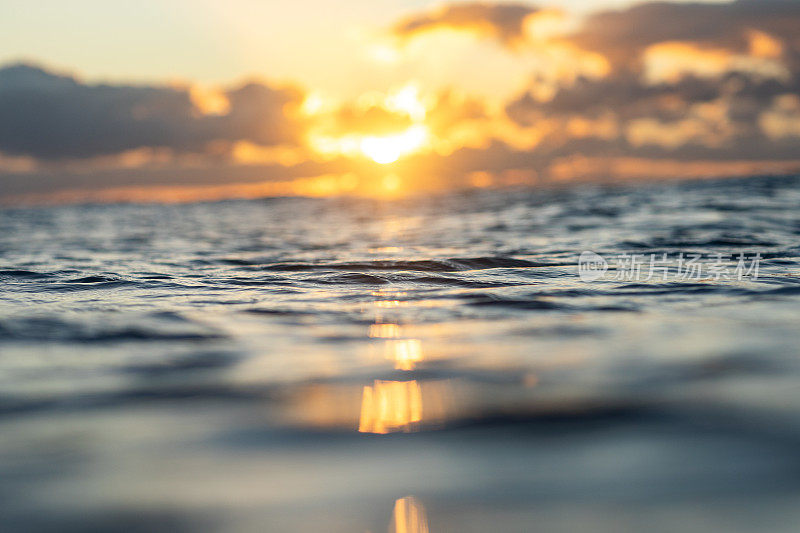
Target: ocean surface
x,y
432,364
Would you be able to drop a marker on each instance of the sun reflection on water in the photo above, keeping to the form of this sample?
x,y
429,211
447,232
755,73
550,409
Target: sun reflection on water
x,y
404,406
384,331
390,406
405,353
409,516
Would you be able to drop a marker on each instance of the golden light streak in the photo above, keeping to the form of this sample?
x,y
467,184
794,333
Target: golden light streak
x,y
384,331
409,516
381,407
405,353
402,406
390,406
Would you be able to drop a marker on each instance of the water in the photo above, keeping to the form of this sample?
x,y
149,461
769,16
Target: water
x,y
424,364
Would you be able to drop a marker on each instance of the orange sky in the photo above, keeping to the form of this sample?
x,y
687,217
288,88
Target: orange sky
x,y
389,98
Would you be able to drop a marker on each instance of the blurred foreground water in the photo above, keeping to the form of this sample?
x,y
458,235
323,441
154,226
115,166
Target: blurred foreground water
x,y
415,365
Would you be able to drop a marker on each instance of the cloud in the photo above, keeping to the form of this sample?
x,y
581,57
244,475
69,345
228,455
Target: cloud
x,y
688,82
682,88
740,27
49,116
372,120
766,28
730,118
503,22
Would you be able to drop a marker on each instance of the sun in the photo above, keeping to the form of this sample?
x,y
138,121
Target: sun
x,y
387,149
382,148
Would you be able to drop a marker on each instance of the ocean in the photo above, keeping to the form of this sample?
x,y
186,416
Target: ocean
x,y
421,364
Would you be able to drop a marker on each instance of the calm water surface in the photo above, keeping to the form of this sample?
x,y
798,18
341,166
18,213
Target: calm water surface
x,y
417,365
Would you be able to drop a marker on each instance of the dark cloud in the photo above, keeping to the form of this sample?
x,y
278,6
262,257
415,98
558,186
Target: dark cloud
x,y
628,96
49,116
729,115
622,35
695,118
504,22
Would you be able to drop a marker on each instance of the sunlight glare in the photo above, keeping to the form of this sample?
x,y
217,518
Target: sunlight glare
x,y
409,516
387,149
390,406
383,148
406,100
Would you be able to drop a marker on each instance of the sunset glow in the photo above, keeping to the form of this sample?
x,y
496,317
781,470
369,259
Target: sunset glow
x,y
409,516
389,148
330,138
390,406
441,97
416,266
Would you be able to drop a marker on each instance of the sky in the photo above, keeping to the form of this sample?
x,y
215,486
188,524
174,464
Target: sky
x,y
208,41
181,100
